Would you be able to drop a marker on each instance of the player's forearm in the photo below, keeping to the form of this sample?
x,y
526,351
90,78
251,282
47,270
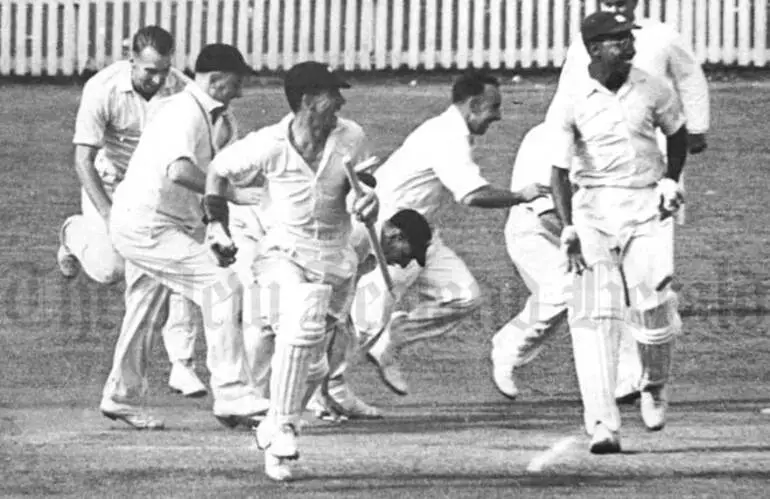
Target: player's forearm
x,y
561,190
90,179
492,197
184,172
676,150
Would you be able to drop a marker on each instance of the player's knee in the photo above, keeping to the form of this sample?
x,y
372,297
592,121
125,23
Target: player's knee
x,y
110,271
656,320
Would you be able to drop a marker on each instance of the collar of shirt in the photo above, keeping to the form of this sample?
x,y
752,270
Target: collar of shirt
x,y
211,105
590,85
285,123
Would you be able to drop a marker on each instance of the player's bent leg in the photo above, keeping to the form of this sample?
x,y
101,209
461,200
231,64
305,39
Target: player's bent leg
x,y
87,240
521,340
146,309
182,327
655,323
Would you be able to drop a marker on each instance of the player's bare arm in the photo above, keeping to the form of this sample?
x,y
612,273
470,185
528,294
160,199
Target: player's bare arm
x,y
676,149
90,179
493,197
562,199
669,190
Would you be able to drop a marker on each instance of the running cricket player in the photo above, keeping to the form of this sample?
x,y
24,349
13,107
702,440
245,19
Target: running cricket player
x,y
613,235
661,52
112,113
532,239
156,225
306,268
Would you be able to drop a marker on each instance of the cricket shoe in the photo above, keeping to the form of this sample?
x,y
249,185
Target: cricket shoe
x,y
654,402
324,411
68,263
604,441
626,393
384,355
278,440
277,468
503,379
184,380
131,415
246,411
343,400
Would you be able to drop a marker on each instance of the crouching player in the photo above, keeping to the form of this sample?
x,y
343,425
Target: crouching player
x,y
613,235
306,267
404,237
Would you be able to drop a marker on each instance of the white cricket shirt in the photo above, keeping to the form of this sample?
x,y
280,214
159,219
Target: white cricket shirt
x,y
533,166
112,115
661,52
612,136
183,126
432,167
304,206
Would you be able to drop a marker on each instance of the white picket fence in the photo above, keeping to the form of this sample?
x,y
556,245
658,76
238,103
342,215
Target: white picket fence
x,y
49,37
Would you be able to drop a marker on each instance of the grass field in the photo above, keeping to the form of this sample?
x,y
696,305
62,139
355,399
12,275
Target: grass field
x,y
453,436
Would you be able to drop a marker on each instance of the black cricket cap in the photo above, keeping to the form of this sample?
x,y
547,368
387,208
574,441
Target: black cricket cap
x,y
416,230
222,57
311,76
605,24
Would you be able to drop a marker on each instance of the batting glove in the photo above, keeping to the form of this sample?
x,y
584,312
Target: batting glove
x,y
670,195
220,244
570,246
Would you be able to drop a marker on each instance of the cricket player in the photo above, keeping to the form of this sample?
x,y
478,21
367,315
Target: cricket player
x,y
112,113
307,266
432,167
613,236
661,52
532,234
156,225
403,237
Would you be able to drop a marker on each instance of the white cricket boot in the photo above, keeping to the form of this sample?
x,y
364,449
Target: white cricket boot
x,y
280,447
68,263
183,379
502,375
604,441
654,403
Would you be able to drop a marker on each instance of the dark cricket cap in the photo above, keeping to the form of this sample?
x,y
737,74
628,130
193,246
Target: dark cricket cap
x,y
313,76
416,230
222,57
601,24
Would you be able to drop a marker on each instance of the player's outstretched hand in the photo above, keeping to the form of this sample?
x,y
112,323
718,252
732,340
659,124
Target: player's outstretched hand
x,y
671,197
366,207
570,245
533,191
220,244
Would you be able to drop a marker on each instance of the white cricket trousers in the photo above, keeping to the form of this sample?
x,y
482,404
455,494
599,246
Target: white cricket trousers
x,y
87,237
543,268
258,336
160,260
447,291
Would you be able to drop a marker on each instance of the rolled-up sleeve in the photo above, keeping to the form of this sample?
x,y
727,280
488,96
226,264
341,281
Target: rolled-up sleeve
x,y
93,116
668,110
691,85
241,162
455,168
560,120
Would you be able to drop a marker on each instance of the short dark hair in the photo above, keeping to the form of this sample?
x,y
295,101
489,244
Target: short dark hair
x,y
471,83
155,37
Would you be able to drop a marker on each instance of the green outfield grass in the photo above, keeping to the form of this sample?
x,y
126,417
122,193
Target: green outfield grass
x,y
453,436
